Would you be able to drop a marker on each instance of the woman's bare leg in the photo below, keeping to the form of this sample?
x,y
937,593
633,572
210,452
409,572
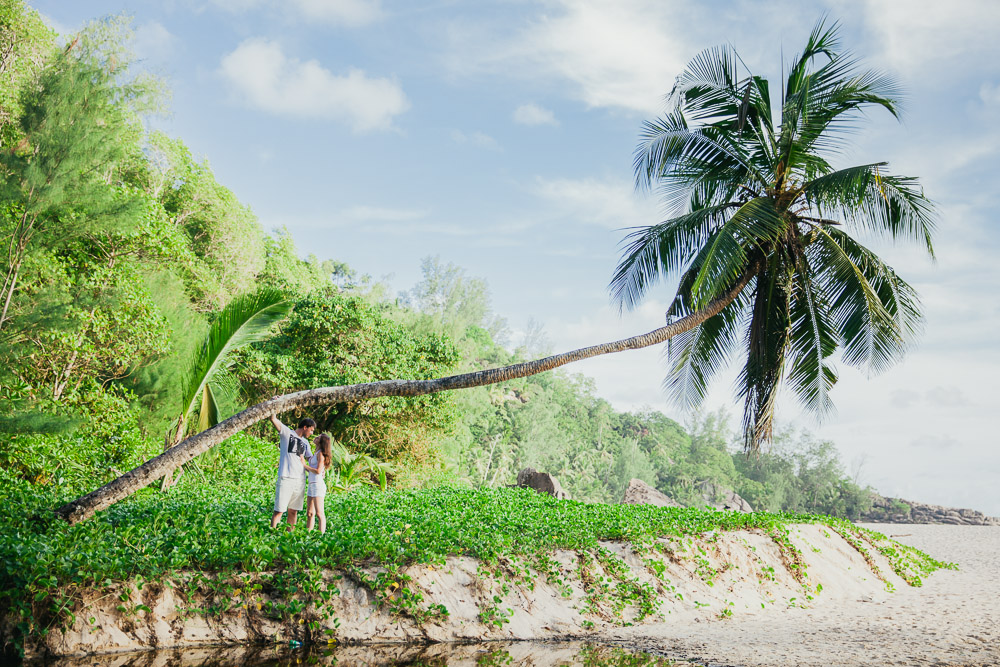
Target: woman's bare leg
x,y
311,516
321,511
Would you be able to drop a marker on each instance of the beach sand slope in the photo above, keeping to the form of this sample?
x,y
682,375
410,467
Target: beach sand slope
x,y
952,620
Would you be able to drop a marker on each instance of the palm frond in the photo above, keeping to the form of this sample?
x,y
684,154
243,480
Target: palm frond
x,y
821,106
767,343
822,40
669,151
870,335
888,206
696,355
725,255
898,298
708,85
244,320
208,412
654,252
813,340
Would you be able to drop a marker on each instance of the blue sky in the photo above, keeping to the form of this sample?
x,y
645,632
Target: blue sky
x,y
499,135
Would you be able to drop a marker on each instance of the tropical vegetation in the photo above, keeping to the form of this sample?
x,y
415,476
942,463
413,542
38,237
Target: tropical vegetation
x,y
143,302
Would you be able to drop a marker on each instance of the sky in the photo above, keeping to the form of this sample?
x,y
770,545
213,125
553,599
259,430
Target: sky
x,y
498,135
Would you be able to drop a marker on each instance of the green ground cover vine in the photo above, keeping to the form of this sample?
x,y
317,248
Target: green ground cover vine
x,y
211,542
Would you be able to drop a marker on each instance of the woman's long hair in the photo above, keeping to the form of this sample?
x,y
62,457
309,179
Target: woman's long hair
x,y
325,445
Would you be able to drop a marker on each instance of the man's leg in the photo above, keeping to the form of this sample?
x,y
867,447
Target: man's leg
x,y
280,504
292,516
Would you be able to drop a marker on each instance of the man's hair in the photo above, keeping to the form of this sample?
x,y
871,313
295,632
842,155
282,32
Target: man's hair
x,y
305,422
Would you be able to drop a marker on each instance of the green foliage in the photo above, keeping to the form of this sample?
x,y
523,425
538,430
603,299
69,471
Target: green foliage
x,y
333,339
246,319
348,470
448,301
217,531
79,126
26,43
226,242
284,270
800,474
74,314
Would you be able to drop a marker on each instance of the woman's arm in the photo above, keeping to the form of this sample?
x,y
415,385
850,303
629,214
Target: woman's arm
x,y
305,464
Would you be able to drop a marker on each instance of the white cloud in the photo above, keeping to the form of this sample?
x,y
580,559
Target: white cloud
x,y
989,93
920,37
936,442
618,54
351,13
267,79
477,139
382,214
614,53
532,114
342,12
153,41
608,202
238,6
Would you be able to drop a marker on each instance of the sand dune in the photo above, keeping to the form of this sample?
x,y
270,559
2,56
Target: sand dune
x,y
953,619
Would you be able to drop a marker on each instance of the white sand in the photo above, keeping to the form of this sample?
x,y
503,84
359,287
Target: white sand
x,y
953,619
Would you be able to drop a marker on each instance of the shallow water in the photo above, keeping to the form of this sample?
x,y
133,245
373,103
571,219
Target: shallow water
x,y
515,654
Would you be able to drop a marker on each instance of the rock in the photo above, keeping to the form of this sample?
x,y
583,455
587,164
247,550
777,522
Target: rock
x,y
722,498
640,493
888,510
542,482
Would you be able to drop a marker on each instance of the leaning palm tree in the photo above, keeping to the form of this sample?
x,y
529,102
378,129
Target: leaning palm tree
x,y
752,193
759,237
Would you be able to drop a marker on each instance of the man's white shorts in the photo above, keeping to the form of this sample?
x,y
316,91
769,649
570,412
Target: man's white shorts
x,y
288,493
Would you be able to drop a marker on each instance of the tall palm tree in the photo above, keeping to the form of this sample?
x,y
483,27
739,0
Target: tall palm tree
x,y
759,237
752,191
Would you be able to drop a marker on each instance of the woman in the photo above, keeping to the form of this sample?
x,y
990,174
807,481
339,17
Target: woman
x,y
317,465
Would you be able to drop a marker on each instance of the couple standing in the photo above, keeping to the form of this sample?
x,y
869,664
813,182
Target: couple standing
x,y
295,458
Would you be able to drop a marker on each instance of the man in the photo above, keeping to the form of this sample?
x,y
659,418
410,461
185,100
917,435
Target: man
x,y
290,489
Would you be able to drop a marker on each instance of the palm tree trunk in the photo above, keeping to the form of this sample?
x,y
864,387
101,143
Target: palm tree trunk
x,y
121,488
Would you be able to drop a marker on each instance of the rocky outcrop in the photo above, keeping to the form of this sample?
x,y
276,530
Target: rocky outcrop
x,y
542,482
722,498
640,493
897,510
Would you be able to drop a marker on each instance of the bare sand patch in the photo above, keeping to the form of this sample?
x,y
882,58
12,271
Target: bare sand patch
x,y
952,620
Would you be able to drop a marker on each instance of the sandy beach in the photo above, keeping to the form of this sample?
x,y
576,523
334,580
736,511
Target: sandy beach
x,y
952,620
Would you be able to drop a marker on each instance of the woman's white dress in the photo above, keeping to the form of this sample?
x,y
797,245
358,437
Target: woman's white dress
x,y
317,485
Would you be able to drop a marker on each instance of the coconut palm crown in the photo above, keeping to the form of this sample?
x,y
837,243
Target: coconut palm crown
x,y
752,192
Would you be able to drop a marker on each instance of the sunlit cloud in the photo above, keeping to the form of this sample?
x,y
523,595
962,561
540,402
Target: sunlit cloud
x,y
350,13
477,139
265,78
153,41
532,114
608,202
